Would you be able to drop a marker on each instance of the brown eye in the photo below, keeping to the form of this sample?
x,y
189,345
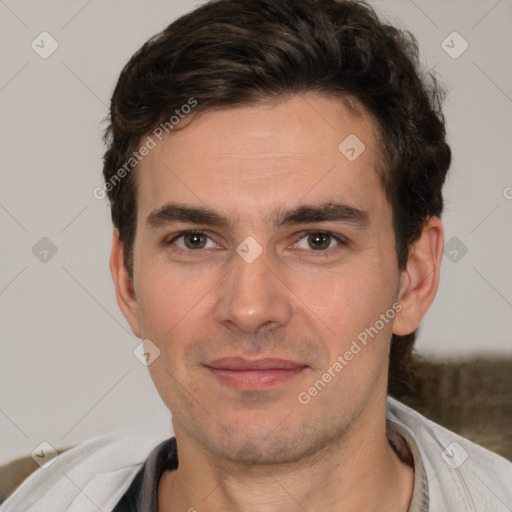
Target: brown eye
x,y
192,241
195,240
319,241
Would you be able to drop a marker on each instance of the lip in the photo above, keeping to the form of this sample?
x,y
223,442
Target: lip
x,y
254,374
242,363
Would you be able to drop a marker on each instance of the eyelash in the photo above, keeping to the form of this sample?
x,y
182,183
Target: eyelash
x,y
340,239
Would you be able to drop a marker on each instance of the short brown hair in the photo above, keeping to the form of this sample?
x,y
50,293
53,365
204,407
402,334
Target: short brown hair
x,y
229,53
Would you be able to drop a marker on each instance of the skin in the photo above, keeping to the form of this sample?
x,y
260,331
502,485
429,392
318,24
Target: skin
x,y
264,450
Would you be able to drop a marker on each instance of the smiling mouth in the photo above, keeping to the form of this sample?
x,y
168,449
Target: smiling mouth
x,y
254,375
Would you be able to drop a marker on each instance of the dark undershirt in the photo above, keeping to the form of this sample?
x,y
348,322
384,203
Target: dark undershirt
x,y
142,495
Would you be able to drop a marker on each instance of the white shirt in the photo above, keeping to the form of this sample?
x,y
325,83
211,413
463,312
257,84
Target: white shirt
x,y
452,474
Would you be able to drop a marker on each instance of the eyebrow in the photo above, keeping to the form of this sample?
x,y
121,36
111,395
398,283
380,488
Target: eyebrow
x,y
309,213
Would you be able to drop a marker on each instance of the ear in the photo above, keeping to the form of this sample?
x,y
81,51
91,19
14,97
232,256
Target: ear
x,y
420,279
123,284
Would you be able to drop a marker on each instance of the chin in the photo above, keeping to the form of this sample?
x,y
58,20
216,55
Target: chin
x,y
263,452
261,444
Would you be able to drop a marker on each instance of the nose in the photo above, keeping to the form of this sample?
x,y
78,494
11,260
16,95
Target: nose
x,y
253,296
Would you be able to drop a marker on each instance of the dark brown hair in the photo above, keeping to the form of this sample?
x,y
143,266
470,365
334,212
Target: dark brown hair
x,y
230,53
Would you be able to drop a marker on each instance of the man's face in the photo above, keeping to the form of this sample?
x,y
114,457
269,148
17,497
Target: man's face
x,y
267,285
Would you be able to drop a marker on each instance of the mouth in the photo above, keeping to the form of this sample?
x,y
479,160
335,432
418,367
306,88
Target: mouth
x,y
256,374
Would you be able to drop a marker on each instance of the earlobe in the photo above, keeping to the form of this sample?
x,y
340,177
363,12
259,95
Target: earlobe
x,y
420,279
123,284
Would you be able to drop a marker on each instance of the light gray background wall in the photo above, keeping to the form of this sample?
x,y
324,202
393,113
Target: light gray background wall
x,y
67,369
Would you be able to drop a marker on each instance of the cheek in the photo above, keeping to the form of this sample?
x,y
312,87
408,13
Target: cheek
x,y
350,304
172,308
170,298
347,300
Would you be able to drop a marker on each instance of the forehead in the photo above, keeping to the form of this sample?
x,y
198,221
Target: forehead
x,y
253,159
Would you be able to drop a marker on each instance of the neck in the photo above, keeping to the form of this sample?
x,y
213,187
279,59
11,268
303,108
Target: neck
x,y
359,471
